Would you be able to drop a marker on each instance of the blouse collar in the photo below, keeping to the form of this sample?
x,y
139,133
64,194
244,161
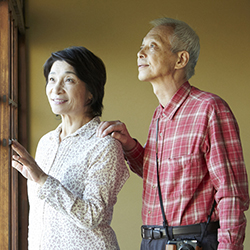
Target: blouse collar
x,y
86,131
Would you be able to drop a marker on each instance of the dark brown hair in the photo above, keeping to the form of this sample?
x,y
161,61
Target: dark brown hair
x,y
88,67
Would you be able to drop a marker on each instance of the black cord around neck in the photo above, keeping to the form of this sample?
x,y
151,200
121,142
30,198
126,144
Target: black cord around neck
x,y
165,223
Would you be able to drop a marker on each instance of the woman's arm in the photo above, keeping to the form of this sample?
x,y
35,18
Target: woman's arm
x,y
106,175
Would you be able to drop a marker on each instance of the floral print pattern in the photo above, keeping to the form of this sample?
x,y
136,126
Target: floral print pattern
x,y
73,209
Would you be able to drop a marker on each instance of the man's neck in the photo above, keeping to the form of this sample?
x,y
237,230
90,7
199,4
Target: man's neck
x,y
165,91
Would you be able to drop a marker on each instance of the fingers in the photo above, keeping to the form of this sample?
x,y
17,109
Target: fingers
x,y
107,127
18,148
15,163
23,156
117,130
19,167
26,165
22,161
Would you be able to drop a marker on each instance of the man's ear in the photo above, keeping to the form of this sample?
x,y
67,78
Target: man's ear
x,y
182,59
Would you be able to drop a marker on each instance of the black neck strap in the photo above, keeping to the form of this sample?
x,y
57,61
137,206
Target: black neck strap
x,y
165,223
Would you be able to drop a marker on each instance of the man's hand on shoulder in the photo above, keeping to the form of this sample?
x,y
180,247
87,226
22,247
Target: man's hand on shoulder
x,y
117,130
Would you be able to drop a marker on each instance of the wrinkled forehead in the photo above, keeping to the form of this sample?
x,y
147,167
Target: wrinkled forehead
x,y
159,33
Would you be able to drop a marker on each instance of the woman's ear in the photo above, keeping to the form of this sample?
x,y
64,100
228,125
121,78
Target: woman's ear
x,y
90,97
182,59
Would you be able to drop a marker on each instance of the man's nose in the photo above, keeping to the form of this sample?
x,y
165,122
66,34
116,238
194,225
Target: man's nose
x,y
141,53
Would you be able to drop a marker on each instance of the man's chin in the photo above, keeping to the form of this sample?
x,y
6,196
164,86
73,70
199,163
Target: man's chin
x,y
142,78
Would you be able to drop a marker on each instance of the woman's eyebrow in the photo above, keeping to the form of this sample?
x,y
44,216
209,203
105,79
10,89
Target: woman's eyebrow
x,y
70,72
66,72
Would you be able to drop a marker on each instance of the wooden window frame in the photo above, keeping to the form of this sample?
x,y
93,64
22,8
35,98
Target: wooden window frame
x,y
13,125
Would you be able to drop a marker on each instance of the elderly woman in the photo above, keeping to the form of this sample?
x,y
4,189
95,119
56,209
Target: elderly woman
x,y
74,182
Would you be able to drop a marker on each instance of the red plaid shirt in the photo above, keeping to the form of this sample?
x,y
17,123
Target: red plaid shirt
x,y
200,159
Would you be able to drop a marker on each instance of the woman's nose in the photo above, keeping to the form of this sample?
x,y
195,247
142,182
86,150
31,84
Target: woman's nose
x,y
58,87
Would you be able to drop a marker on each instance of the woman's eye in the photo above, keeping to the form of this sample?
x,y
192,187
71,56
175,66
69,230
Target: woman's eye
x,y
70,80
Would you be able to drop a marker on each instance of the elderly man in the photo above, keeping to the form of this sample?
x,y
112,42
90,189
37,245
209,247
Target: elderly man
x,y
195,187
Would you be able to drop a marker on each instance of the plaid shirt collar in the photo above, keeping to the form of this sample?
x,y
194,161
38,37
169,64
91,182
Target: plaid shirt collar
x,y
179,97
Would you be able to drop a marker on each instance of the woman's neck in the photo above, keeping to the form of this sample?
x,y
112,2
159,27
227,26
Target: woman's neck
x,y
70,125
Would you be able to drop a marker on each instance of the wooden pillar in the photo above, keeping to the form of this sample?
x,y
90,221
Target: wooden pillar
x,y
8,128
5,202
23,135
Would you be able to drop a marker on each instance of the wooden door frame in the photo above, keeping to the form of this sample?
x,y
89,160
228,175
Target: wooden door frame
x,y
13,125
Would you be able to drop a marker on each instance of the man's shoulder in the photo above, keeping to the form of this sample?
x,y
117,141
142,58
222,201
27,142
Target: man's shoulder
x,y
206,97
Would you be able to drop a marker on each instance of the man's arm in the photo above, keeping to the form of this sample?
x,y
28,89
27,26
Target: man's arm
x,y
229,177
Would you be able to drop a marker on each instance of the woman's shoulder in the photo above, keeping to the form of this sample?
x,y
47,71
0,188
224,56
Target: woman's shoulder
x,y
48,137
108,142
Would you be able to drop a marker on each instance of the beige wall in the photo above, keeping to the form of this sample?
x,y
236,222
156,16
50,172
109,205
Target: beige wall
x,y
113,29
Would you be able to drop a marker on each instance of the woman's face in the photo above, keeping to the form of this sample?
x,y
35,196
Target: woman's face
x,y
66,93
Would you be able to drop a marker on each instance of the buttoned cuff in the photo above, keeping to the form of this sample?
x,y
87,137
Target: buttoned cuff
x,y
47,188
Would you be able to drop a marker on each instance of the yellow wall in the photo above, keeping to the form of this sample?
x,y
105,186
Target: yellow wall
x,y
113,29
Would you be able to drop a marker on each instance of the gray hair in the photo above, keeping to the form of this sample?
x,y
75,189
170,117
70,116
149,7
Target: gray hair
x,y
183,38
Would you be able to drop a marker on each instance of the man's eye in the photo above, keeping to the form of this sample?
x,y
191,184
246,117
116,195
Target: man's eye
x,y
51,79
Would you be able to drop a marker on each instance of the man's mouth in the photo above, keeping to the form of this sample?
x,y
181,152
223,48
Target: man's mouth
x,y
141,66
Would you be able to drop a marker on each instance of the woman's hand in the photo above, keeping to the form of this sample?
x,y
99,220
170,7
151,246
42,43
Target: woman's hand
x,y
26,165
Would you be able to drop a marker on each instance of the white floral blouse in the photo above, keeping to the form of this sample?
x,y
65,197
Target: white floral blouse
x,y
74,207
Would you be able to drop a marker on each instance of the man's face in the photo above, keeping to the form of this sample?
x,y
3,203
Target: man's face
x,y
155,60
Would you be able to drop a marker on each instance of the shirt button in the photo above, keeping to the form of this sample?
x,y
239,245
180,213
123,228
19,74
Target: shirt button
x,y
160,134
154,186
149,212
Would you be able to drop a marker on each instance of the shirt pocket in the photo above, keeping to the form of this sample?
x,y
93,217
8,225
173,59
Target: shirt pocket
x,y
185,174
